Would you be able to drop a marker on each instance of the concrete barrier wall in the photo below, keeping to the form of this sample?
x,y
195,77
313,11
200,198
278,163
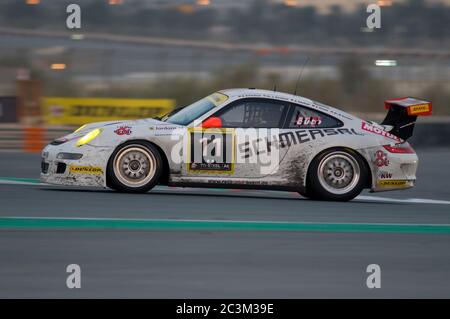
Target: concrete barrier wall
x,y
431,135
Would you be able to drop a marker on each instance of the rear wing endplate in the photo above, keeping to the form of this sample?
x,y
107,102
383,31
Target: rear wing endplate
x,y
402,114
412,105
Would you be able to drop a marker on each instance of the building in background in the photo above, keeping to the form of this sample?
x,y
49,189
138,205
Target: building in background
x,y
183,49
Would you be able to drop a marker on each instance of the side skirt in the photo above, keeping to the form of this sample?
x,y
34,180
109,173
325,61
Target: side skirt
x,y
235,186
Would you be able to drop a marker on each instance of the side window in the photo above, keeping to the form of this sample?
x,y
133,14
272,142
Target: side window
x,y
256,113
303,117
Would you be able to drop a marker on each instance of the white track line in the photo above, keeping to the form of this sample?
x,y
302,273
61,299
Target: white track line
x,y
406,200
7,182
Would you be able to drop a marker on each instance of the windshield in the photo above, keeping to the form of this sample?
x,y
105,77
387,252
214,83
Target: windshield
x,y
191,112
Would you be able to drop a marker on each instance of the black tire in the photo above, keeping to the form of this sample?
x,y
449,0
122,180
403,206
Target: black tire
x,y
142,171
336,174
307,193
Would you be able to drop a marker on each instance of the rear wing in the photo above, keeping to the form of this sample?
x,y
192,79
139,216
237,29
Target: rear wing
x,y
402,115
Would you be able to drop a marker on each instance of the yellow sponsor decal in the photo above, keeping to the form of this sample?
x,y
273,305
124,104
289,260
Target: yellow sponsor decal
x,y
78,111
392,182
86,170
421,108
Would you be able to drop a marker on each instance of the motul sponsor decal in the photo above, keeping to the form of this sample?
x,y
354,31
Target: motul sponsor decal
x,y
376,130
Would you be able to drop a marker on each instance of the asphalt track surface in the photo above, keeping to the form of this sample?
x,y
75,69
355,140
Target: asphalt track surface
x,y
188,243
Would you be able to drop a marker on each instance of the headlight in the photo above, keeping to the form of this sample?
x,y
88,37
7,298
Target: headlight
x,y
89,137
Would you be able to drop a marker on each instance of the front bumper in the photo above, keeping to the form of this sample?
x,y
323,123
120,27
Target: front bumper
x,y
89,170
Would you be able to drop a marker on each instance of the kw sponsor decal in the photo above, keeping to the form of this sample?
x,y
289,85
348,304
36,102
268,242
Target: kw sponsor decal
x,y
393,183
77,111
86,170
375,130
384,175
419,109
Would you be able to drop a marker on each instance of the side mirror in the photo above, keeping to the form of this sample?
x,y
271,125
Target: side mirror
x,y
212,122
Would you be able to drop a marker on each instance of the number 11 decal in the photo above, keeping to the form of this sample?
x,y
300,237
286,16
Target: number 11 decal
x,y
211,151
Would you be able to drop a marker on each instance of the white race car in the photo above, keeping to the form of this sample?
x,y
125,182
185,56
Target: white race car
x,y
244,138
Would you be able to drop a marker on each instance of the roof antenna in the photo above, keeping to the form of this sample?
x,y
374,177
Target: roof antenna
x,y
275,87
300,74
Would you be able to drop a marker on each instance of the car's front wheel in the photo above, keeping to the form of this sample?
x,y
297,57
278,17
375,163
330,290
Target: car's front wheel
x,y
336,174
134,167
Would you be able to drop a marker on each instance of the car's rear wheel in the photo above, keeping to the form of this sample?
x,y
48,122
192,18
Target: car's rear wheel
x,y
134,167
336,174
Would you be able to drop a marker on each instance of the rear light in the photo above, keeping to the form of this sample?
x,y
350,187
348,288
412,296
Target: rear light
x,y
399,149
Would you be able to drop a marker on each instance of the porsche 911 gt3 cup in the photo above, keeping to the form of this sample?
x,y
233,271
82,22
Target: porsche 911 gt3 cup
x,y
244,138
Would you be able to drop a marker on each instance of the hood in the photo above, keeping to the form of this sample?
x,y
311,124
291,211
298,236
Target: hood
x,y
90,126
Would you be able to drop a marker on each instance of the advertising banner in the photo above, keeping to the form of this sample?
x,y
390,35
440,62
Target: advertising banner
x,y
79,111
